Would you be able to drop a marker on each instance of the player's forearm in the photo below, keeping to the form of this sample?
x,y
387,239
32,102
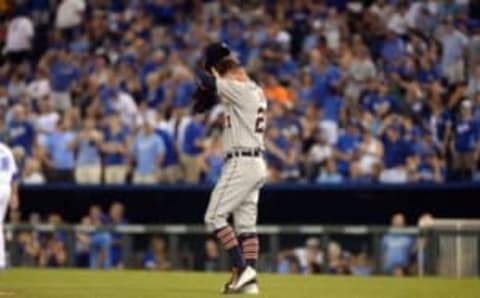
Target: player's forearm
x,y
206,81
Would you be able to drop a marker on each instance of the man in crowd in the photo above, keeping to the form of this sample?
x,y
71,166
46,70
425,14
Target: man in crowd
x,y
148,153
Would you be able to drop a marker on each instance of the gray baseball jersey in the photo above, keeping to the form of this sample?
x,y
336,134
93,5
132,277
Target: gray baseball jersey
x,y
237,190
245,106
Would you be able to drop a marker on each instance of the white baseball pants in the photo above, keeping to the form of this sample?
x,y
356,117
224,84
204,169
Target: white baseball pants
x,y
5,193
237,192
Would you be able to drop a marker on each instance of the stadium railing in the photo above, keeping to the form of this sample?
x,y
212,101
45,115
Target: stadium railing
x,y
449,248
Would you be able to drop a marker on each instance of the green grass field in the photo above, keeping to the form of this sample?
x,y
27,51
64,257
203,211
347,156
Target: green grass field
x,y
141,284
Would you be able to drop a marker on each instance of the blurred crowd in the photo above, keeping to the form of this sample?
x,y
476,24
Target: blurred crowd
x,y
88,249
400,254
363,91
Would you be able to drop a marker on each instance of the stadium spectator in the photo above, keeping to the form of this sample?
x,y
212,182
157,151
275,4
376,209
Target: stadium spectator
x,y
330,173
360,265
318,155
29,249
473,87
213,160
424,221
309,258
58,152
31,173
20,34
82,245
46,120
346,148
338,261
370,153
211,260
117,217
69,16
100,241
64,74
192,147
171,172
20,131
53,252
397,249
114,149
88,161
466,145
454,44
156,258
397,151
148,153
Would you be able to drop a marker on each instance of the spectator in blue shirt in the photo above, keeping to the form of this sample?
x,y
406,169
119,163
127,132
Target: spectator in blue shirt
x,y
170,167
466,145
88,165
430,169
156,258
454,44
396,152
155,91
346,148
237,41
332,108
330,173
59,156
393,48
382,104
63,75
305,94
397,249
325,76
20,131
213,161
100,241
114,149
148,153
192,148
117,217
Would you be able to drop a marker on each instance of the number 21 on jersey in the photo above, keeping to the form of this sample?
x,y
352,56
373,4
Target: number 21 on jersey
x,y
259,121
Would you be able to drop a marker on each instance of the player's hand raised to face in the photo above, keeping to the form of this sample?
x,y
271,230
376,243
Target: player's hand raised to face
x,y
214,72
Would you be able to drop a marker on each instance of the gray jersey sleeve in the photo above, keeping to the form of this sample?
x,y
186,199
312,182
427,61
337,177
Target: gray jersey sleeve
x,y
230,90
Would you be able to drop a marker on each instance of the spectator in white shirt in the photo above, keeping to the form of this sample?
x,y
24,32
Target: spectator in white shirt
x,y
69,16
46,120
20,33
31,173
398,23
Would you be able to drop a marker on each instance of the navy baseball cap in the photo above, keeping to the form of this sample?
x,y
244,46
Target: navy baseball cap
x,y
214,52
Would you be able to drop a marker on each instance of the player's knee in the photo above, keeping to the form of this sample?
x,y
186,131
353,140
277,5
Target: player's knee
x,y
245,229
209,222
214,222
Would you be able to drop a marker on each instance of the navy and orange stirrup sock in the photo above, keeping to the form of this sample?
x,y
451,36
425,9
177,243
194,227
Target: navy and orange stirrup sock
x,y
250,248
229,241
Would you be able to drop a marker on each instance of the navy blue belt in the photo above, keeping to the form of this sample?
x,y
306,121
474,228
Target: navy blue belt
x,y
255,152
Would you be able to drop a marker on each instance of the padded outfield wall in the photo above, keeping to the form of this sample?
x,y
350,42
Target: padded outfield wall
x,y
279,204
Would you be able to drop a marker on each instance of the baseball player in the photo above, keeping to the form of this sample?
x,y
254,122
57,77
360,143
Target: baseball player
x,y
8,192
244,171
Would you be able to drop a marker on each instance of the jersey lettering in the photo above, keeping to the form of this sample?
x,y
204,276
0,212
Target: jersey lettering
x,y
260,121
4,164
